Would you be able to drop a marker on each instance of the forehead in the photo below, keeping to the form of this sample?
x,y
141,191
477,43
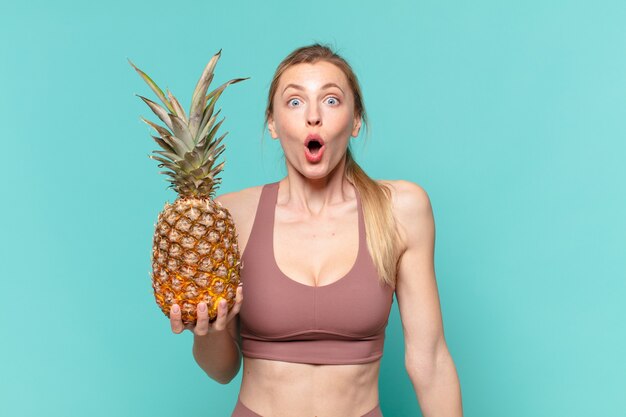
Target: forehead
x,y
313,76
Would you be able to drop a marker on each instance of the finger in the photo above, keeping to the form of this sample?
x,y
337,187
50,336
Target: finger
x,y
222,307
175,321
237,306
202,322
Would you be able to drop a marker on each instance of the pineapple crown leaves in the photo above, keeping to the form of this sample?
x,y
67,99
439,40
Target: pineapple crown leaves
x,y
189,147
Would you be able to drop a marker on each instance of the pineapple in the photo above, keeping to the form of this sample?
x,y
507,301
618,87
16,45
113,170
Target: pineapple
x,y
195,256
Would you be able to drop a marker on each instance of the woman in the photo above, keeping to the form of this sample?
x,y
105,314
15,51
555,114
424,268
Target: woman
x,y
324,249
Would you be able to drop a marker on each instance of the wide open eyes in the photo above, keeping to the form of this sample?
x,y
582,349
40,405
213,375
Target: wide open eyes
x,y
296,102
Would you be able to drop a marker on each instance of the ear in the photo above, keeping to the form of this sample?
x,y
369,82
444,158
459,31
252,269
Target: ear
x,y
356,127
271,127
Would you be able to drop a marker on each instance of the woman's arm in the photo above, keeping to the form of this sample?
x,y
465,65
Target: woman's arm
x,y
218,354
427,359
216,346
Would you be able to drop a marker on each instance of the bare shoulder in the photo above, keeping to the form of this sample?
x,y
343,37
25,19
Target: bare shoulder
x,y
408,197
411,208
241,204
238,200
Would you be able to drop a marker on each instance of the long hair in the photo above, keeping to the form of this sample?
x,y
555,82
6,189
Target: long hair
x,y
383,240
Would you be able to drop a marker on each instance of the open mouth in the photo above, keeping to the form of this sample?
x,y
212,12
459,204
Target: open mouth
x,y
314,146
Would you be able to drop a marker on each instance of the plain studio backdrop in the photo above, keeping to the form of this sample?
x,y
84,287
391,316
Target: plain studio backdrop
x,y
511,115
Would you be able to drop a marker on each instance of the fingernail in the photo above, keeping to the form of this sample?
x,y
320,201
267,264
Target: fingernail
x,y
175,309
202,307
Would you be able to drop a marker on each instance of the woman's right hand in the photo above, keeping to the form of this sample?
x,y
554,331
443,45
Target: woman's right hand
x,y
202,326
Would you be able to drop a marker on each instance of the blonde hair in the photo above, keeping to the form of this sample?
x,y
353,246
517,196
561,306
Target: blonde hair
x,y
383,240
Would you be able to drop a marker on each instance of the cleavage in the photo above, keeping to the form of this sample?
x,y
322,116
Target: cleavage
x,y
316,255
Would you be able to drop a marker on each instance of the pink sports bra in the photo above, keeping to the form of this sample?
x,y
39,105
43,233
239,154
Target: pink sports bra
x,y
281,319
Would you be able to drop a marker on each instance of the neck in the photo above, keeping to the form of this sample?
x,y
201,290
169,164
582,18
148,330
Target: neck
x,y
314,196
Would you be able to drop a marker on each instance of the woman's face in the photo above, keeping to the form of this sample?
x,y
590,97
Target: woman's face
x,y
313,99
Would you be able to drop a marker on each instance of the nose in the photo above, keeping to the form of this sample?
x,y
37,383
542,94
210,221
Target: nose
x,y
313,117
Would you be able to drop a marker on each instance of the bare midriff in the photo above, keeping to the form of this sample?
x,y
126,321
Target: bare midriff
x,y
276,388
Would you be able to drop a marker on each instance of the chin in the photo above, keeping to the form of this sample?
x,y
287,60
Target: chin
x,y
312,172
315,175
318,171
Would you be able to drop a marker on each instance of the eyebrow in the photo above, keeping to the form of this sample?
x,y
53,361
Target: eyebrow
x,y
299,87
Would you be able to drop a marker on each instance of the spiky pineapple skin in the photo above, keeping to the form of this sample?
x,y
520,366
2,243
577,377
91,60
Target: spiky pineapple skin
x,y
195,257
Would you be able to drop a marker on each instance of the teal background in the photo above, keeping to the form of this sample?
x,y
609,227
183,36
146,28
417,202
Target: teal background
x,y
511,115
